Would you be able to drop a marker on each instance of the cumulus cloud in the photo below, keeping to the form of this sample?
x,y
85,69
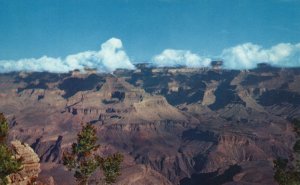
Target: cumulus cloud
x,y
243,56
110,57
171,57
248,55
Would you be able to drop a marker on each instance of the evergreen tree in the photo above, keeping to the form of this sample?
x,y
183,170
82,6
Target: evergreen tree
x,y
111,167
8,162
83,160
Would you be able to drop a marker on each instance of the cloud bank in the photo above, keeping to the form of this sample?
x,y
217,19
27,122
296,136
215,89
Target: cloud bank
x,y
110,57
244,56
248,55
175,58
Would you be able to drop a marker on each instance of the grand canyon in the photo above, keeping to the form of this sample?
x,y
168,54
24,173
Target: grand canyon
x,y
174,125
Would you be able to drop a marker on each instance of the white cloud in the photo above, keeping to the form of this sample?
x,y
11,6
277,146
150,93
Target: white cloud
x,y
243,56
110,57
248,55
171,57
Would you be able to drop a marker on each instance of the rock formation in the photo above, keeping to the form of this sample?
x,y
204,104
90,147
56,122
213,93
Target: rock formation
x,y
178,124
141,174
30,164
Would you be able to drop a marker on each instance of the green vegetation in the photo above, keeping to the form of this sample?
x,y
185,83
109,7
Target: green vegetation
x,y
111,167
284,175
288,172
84,161
81,159
8,163
3,128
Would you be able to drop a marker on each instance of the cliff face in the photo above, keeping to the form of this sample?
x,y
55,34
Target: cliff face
x,y
185,124
30,164
49,151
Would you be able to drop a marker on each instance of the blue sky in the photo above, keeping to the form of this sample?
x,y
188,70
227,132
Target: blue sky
x,y
57,28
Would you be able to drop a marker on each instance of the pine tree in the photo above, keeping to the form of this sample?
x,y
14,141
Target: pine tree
x,y
8,162
83,160
111,167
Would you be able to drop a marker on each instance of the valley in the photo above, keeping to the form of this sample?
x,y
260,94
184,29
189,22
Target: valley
x,y
180,126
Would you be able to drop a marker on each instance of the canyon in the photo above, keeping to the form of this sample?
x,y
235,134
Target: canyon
x,y
183,126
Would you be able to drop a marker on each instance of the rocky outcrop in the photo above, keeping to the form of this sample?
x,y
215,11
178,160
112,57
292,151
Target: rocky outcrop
x,y
48,180
252,175
30,164
49,151
233,149
209,96
141,174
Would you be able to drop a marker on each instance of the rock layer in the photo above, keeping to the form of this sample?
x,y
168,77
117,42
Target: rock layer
x,y
185,124
30,164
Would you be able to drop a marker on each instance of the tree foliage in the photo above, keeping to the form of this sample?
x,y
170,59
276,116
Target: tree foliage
x,y
111,167
83,159
284,175
3,128
288,172
8,162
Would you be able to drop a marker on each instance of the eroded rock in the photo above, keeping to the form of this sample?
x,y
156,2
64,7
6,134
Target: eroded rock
x,y
30,164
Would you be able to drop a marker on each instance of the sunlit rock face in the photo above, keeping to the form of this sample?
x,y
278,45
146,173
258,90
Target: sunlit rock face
x,y
174,125
30,164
